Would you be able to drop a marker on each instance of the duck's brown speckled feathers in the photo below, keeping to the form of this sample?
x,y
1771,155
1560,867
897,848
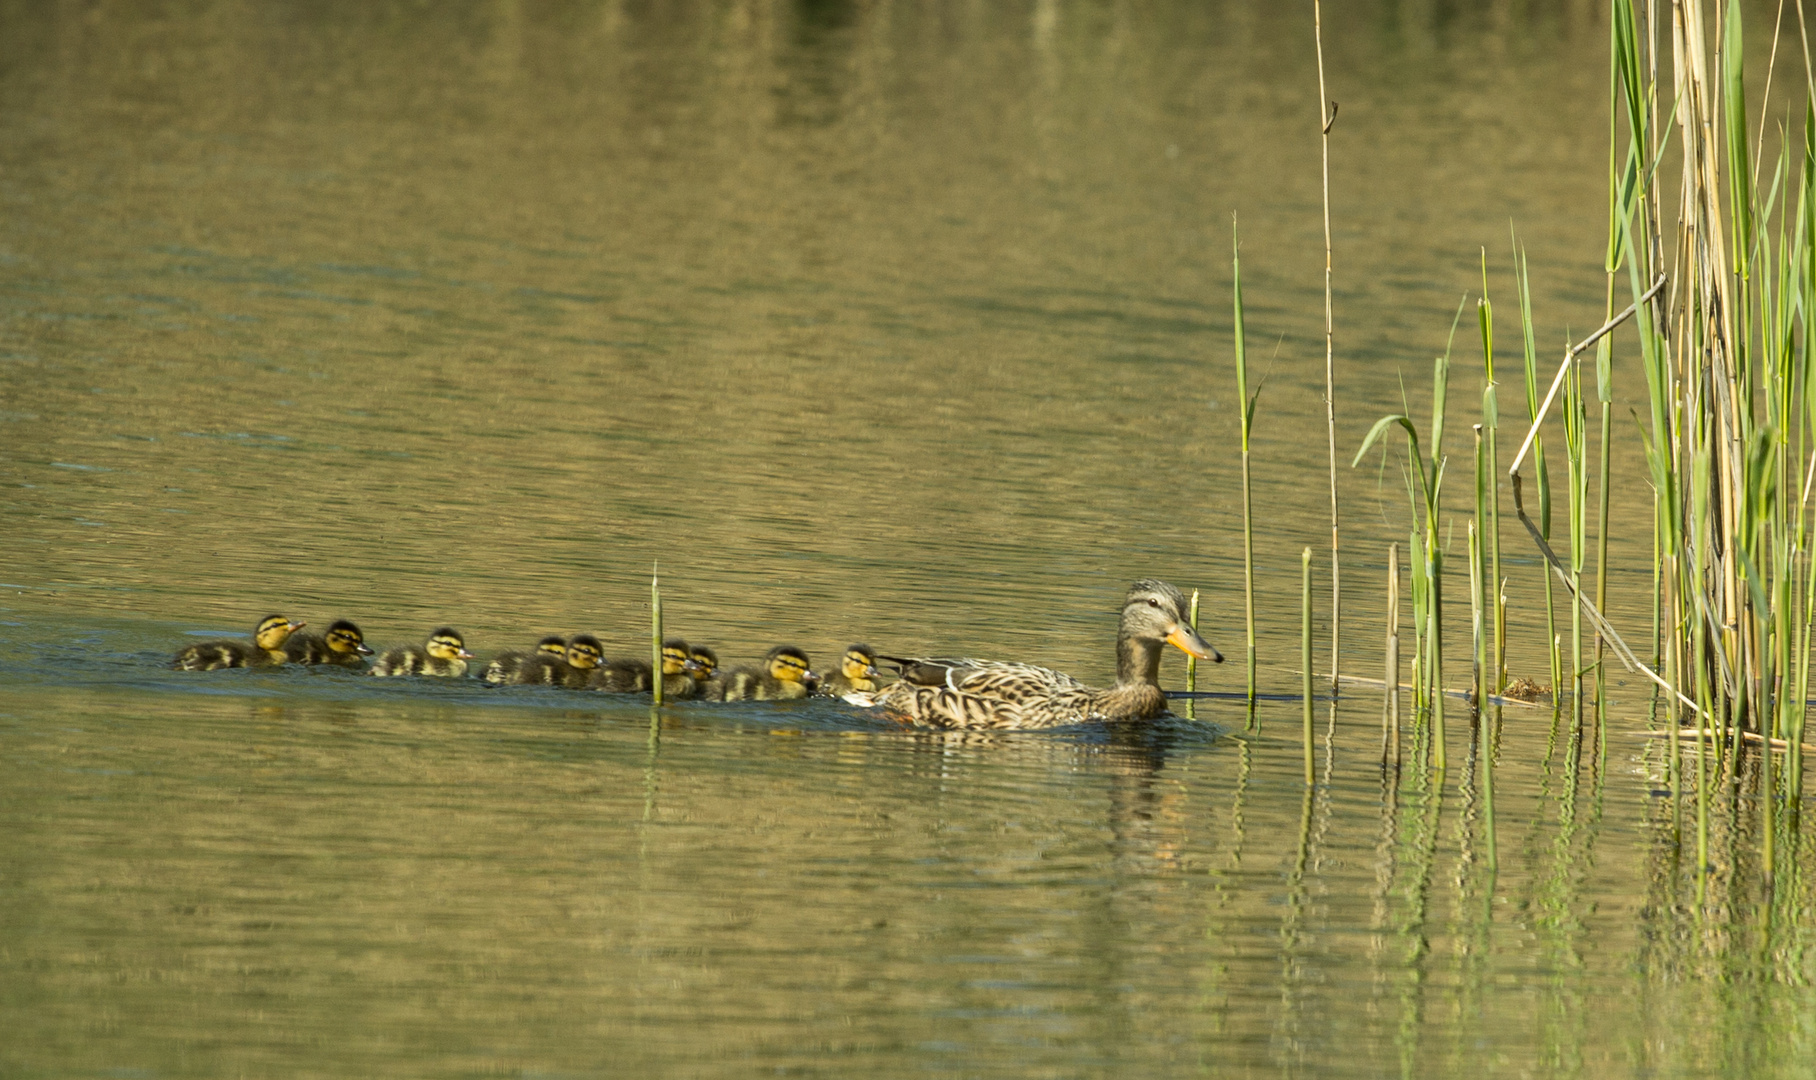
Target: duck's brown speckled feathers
x,y
343,645
503,667
988,694
265,649
573,669
857,672
444,655
786,674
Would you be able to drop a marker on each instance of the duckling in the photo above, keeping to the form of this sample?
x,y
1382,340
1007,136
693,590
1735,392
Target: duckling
x,y
342,645
785,674
992,694
633,676
578,664
265,649
504,666
444,654
857,671
708,687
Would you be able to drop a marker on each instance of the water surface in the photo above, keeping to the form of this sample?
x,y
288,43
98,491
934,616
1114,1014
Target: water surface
x,y
881,321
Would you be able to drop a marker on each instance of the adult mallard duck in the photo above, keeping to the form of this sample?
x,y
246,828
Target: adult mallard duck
x,y
633,676
574,668
995,695
444,654
342,645
857,672
786,674
503,668
265,649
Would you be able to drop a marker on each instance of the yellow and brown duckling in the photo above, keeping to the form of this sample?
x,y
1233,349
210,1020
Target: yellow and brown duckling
x,y
574,668
707,684
857,672
995,695
503,668
343,645
264,650
444,654
786,674
633,676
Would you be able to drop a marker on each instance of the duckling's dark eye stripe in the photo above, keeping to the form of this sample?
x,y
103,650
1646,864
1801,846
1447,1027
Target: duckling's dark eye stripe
x,y
791,662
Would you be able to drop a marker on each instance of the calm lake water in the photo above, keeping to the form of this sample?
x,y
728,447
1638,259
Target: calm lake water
x,y
906,323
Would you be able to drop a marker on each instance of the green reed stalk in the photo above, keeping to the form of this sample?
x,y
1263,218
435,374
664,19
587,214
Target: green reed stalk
x,y
1390,742
1634,68
1484,715
1477,622
1305,652
1530,355
1575,421
1620,195
1326,119
655,633
1491,423
1421,686
1248,420
1699,495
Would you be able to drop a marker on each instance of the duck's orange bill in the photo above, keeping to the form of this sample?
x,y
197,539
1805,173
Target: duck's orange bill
x,y
1186,640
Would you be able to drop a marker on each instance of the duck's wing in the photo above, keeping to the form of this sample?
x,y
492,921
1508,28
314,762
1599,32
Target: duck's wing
x,y
977,676
964,693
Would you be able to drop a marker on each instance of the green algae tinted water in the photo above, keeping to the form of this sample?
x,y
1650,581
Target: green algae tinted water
x,y
870,321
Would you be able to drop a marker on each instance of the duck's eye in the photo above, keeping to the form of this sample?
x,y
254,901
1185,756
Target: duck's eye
x,y
1153,602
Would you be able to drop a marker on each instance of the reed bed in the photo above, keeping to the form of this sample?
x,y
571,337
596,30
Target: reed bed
x,y
1720,313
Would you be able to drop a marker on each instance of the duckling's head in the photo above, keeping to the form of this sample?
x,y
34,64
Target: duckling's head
x,y
675,657
705,662
343,637
555,645
789,664
859,662
1156,611
274,630
585,652
447,644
